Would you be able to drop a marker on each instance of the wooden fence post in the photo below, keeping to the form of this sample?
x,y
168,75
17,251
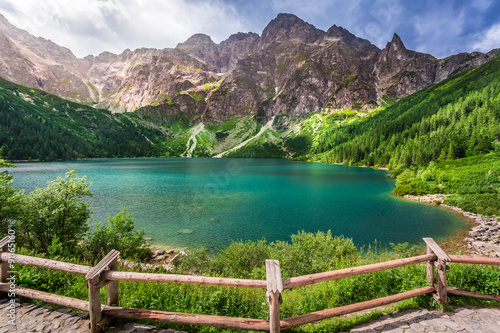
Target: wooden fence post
x,y
442,292
443,258
430,268
4,266
95,314
113,286
94,284
273,294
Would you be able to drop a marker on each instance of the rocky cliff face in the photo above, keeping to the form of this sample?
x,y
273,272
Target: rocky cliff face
x,y
293,68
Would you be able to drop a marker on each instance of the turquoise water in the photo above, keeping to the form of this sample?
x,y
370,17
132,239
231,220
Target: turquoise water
x,y
221,200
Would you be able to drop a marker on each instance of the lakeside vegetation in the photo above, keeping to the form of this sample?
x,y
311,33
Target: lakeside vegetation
x,y
474,182
54,223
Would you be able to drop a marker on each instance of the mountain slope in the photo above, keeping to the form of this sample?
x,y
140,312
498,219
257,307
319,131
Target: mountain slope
x,y
293,69
459,117
41,126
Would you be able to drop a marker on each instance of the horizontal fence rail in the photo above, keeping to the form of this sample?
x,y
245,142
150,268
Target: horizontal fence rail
x,y
349,272
98,277
343,310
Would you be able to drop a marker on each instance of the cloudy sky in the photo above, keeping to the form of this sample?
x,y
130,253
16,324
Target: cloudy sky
x,y
438,27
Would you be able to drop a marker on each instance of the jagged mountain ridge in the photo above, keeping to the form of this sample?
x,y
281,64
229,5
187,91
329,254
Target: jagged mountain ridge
x,y
293,68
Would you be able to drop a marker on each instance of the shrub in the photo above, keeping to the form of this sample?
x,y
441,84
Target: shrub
x,y
120,235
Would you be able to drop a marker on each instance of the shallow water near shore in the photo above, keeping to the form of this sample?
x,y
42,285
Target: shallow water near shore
x,y
191,202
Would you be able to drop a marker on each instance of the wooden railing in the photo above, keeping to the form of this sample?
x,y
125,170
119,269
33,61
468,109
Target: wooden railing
x,y
98,277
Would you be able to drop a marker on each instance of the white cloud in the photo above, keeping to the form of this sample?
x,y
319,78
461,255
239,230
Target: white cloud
x,y
93,26
482,5
490,41
438,31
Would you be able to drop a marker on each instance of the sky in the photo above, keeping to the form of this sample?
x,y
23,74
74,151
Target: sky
x,y
438,27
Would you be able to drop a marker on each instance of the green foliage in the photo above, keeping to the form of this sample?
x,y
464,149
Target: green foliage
x,y
38,126
196,97
456,118
10,198
118,234
59,211
57,250
310,252
4,164
306,253
473,181
299,145
258,150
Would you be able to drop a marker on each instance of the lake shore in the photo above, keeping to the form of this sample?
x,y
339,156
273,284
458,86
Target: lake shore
x,y
483,238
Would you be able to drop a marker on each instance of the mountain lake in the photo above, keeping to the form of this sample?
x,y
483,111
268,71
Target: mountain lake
x,y
191,202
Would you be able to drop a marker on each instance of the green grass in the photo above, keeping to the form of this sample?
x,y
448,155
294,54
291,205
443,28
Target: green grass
x,y
305,253
474,182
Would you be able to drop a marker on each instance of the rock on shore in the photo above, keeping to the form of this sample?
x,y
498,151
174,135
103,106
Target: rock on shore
x,y
484,238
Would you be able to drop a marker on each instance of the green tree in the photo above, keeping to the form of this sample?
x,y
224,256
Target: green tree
x,y
120,235
57,210
4,164
10,198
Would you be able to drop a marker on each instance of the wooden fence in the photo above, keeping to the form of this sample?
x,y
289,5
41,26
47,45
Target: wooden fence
x,y
98,277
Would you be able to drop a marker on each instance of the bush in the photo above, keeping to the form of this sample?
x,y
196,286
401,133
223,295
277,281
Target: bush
x,y
306,253
120,235
56,211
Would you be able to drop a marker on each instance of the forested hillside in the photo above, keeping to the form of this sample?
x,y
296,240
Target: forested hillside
x,y
444,139
41,126
457,118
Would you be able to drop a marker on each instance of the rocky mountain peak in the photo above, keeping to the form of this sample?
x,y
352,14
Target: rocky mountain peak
x,y
294,69
396,44
240,36
337,32
288,26
197,40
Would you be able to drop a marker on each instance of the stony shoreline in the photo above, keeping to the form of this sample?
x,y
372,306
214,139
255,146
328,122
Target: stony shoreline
x,y
484,238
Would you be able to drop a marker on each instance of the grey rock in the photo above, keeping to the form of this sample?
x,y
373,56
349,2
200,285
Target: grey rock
x,y
311,67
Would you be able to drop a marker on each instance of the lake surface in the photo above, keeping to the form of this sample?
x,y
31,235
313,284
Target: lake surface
x,y
190,202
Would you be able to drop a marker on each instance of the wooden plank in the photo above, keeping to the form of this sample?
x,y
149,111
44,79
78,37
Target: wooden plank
x,y
475,260
4,265
99,268
436,249
183,279
273,276
273,292
103,284
329,313
69,302
188,318
47,263
430,268
443,297
348,272
6,240
94,309
103,322
134,276
461,292
113,286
